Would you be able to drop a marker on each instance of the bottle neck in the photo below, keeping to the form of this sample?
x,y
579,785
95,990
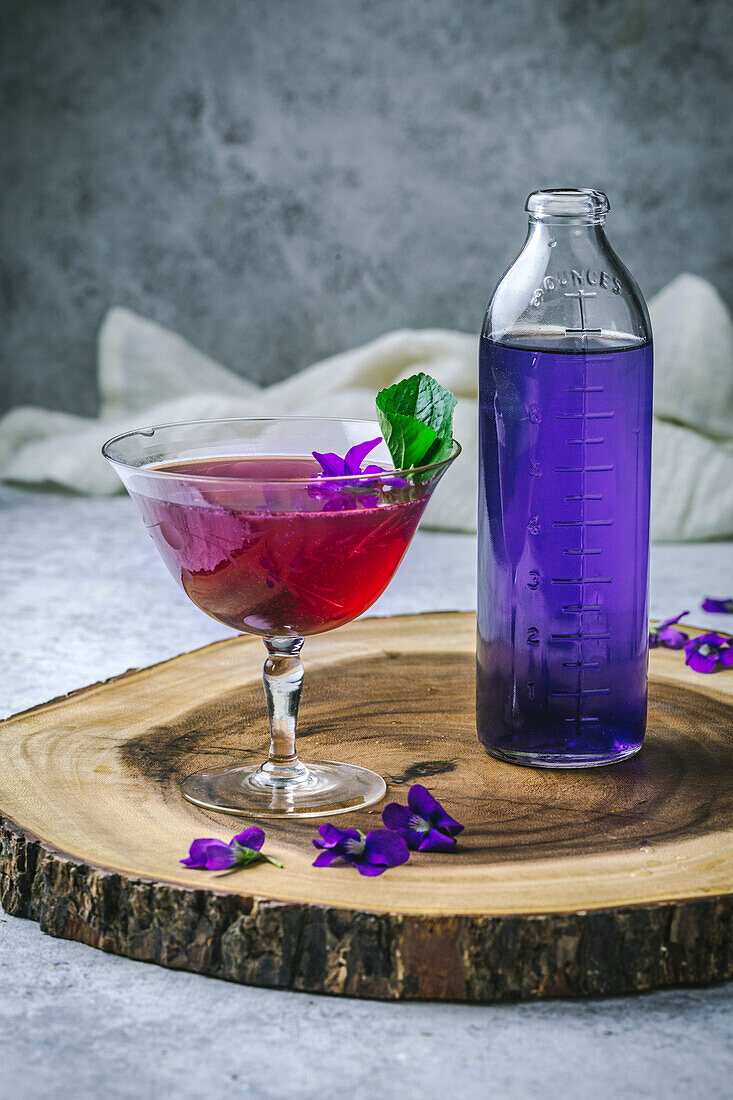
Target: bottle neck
x,y
565,231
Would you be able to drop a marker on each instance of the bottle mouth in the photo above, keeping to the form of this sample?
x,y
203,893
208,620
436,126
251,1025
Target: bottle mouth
x,y
567,204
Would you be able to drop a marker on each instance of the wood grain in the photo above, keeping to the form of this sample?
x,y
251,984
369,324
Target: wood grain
x,y
567,883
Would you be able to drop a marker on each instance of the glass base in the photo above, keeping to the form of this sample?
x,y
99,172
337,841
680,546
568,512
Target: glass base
x,y
562,760
327,788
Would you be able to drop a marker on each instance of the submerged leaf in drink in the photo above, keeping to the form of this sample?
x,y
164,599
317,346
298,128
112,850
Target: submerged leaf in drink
x,y
259,548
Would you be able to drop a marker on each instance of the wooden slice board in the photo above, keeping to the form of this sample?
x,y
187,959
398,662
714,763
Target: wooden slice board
x,y
566,883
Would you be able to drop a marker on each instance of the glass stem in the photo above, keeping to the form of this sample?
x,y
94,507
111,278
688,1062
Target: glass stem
x,y
283,680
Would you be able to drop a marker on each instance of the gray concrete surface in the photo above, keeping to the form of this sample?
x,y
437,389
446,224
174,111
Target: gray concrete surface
x,y
78,1024
86,597
279,180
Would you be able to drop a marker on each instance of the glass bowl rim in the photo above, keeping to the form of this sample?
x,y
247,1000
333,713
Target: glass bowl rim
x,y
341,478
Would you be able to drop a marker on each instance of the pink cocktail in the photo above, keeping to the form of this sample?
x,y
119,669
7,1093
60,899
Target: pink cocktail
x,y
268,571
259,541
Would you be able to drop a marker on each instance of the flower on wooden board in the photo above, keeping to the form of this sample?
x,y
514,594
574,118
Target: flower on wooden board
x,y
706,653
371,854
243,850
423,823
665,634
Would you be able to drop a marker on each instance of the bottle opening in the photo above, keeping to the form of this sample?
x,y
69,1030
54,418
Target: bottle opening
x,y
567,204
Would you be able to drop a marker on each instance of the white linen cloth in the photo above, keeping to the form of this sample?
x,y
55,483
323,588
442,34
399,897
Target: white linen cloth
x,y
148,375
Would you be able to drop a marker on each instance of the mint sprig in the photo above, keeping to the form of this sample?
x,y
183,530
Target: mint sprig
x,y
416,418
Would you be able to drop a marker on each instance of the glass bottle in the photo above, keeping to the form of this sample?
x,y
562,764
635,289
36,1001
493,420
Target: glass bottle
x,y
565,408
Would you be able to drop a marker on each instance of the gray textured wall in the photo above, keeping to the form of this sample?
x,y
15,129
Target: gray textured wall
x,y
280,179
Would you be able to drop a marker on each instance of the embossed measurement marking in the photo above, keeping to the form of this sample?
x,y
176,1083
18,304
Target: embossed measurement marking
x,y
581,580
583,469
583,523
576,637
581,295
580,436
581,691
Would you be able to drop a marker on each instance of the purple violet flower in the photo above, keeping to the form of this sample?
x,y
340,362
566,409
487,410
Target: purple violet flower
x,y
665,634
371,854
335,466
208,854
718,607
339,498
424,824
704,653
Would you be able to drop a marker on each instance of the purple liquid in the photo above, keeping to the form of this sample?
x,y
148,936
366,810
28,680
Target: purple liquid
x,y
564,472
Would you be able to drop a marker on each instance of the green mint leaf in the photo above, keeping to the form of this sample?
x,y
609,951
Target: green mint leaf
x,y
416,418
409,441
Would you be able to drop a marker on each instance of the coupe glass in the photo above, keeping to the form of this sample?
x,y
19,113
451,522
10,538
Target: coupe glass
x,y
263,544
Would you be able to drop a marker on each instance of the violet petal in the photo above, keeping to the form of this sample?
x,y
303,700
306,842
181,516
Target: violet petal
x,y
220,856
670,622
331,837
711,638
718,607
664,634
326,858
446,823
701,662
336,501
702,653
197,852
371,869
422,802
356,455
414,837
397,818
436,841
331,464
385,849
254,838
673,639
